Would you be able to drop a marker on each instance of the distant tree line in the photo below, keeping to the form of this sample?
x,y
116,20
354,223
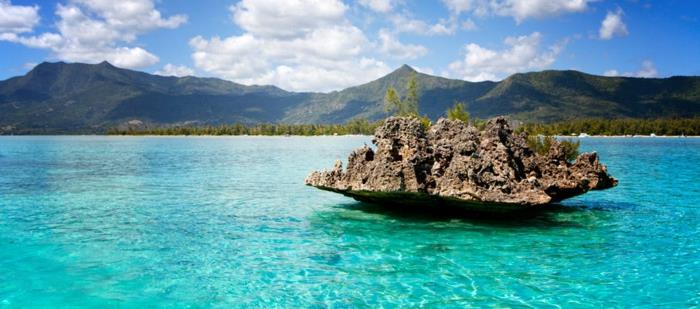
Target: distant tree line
x,y
355,126
688,126
683,126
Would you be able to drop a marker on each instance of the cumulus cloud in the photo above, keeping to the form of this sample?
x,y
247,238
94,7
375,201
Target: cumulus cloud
x,y
382,6
424,70
469,25
522,54
611,73
314,77
174,70
403,23
17,18
29,65
459,6
268,18
298,45
517,9
131,16
96,30
391,46
647,70
612,26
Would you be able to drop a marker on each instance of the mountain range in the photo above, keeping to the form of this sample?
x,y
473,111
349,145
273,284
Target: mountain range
x,y
56,98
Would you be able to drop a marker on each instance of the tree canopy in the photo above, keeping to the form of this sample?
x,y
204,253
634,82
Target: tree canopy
x,y
458,112
406,107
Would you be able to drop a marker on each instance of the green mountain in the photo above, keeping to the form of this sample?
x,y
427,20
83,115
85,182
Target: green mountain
x,y
61,98
560,95
367,100
83,98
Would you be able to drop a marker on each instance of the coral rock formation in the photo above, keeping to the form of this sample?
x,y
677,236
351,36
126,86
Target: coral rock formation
x,y
453,163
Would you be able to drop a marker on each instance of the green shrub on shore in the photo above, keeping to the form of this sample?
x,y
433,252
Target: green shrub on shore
x,y
458,112
570,148
542,145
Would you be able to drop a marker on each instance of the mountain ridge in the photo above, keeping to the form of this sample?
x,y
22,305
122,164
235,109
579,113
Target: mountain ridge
x,y
90,98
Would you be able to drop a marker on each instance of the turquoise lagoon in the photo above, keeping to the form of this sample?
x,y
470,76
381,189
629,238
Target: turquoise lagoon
x,y
227,222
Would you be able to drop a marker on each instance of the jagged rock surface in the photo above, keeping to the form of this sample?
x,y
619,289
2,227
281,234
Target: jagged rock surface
x,y
456,163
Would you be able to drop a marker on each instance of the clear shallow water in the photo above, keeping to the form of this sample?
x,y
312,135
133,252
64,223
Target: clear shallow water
x,y
163,221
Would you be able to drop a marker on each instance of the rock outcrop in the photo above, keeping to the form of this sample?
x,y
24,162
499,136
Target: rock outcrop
x,y
453,163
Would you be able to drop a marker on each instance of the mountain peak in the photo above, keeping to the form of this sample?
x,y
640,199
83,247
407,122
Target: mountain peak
x,y
60,64
106,64
401,72
46,67
405,68
45,64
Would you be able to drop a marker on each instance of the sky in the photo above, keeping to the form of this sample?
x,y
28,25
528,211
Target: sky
x,y
326,45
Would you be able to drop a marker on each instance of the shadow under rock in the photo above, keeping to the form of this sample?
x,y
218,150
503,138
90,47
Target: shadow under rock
x,y
548,216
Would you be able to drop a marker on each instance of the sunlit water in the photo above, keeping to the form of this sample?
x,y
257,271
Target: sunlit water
x,y
165,221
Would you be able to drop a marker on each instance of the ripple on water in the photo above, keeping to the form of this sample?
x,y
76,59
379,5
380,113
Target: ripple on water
x,y
143,222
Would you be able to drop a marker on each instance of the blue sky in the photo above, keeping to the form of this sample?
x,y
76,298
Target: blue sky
x,y
324,45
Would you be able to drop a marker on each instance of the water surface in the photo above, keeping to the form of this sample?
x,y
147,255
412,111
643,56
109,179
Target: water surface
x,y
226,221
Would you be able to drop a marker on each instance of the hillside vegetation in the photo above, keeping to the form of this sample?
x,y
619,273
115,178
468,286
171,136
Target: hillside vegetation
x,y
85,98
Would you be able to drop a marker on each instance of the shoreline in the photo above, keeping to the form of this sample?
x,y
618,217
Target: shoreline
x,y
628,136
339,135
156,135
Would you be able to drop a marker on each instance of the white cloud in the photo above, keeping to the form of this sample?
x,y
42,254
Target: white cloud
x,y
29,65
236,57
523,9
131,16
391,46
96,30
459,6
517,9
174,70
612,25
469,25
273,18
297,45
648,70
611,73
17,18
382,6
425,70
324,78
403,23
522,54
123,57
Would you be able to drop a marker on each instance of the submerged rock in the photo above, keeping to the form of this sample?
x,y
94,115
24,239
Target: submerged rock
x,y
456,164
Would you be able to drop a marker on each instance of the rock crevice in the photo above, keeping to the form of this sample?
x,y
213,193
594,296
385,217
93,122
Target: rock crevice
x,y
456,163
